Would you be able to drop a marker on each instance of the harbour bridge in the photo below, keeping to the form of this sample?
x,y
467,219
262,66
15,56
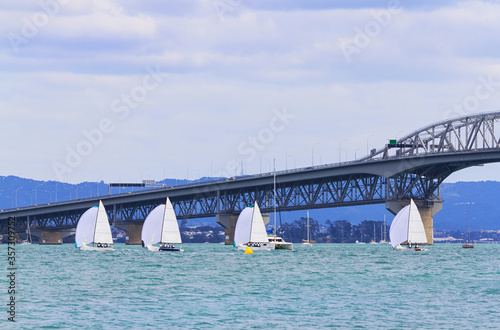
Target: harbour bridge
x,y
413,166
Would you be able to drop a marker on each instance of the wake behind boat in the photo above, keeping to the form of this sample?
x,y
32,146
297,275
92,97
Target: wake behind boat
x,y
250,230
161,227
93,232
407,228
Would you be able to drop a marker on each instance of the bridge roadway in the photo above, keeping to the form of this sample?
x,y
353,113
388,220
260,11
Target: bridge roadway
x,y
413,167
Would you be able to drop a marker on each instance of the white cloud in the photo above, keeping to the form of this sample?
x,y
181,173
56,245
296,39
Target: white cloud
x,y
224,78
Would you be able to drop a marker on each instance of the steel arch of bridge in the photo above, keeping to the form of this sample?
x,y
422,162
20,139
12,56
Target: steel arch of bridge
x,y
413,167
467,133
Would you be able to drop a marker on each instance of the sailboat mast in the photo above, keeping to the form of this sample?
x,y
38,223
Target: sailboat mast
x,y
307,226
385,228
468,222
163,224
274,198
96,220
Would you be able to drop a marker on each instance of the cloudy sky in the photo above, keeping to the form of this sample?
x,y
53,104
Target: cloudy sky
x,y
132,90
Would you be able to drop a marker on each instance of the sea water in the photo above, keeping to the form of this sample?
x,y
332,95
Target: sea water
x,y
216,286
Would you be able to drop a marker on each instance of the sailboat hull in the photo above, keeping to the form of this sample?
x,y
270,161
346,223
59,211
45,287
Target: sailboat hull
x,y
406,248
262,247
169,249
93,248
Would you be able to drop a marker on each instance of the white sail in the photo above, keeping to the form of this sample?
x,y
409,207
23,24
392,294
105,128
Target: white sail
x,y
170,232
407,226
258,232
85,228
243,226
160,226
416,231
102,233
398,233
152,227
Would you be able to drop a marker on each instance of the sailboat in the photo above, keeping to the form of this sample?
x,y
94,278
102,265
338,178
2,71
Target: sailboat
x,y
407,228
93,231
250,230
308,241
468,244
161,227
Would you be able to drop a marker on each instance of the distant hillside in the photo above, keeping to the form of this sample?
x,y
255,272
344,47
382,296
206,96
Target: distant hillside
x,y
483,196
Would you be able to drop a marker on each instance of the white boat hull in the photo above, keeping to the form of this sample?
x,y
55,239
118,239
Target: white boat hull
x,y
279,243
406,248
94,248
157,249
283,246
262,247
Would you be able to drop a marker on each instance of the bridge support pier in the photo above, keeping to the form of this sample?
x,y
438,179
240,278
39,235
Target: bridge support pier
x,y
427,210
133,229
228,222
52,237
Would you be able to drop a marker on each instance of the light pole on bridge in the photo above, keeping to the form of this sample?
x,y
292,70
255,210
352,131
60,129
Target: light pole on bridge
x,y
16,194
340,143
368,139
36,194
312,154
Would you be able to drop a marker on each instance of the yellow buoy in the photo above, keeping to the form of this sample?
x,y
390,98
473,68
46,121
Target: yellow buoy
x,y
248,250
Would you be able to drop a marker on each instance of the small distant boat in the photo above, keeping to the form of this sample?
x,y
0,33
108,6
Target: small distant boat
x,y
161,227
93,232
468,244
308,241
250,230
407,228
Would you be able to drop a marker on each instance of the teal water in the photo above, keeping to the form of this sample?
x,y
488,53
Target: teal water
x,y
215,286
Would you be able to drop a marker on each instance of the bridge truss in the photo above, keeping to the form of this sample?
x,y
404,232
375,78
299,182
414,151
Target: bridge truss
x,y
412,167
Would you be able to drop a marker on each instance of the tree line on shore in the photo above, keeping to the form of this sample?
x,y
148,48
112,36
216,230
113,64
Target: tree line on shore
x,y
338,231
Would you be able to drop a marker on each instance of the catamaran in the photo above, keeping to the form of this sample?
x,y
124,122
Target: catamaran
x,y
161,227
93,231
250,230
407,228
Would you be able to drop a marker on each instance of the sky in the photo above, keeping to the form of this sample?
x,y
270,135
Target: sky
x,y
124,91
